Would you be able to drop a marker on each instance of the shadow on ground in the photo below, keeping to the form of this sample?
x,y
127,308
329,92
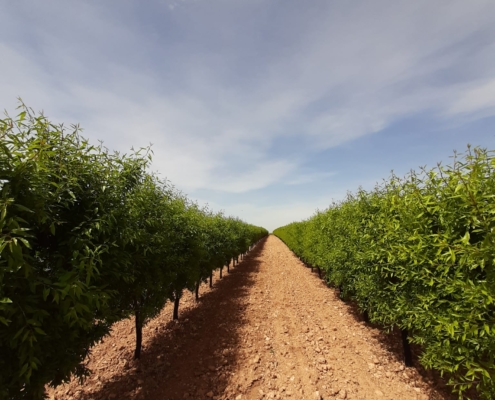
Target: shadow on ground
x,y
194,357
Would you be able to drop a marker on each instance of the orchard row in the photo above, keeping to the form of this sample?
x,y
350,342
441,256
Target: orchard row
x,y
87,238
418,253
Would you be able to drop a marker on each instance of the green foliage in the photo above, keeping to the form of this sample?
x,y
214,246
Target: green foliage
x,y
87,238
418,253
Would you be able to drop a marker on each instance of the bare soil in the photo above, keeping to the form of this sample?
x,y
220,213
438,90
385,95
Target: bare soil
x,y
270,329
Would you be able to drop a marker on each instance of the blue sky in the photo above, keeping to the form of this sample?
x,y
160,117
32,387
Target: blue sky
x,y
267,109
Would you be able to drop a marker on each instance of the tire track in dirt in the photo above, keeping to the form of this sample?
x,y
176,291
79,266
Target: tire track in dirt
x,y
269,329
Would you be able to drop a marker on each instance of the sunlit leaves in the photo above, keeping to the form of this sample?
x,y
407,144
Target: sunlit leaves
x,y
88,237
418,253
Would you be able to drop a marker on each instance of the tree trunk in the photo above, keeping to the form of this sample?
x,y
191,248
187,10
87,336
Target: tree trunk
x,y
176,306
221,272
366,317
197,289
211,279
319,272
228,267
139,335
407,348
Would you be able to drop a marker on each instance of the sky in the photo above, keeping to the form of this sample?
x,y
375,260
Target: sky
x,y
265,109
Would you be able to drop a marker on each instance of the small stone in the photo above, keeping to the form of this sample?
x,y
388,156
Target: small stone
x,y
317,395
321,360
379,393
342,394
256,360
209,394
239,397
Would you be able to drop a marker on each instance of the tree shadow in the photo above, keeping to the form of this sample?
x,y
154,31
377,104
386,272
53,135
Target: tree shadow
x,y
193,357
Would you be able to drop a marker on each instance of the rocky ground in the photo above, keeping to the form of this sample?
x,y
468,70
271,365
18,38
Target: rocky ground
x,y
270,329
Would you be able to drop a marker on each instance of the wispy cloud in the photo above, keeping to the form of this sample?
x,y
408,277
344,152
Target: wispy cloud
x,y
218,87
479,100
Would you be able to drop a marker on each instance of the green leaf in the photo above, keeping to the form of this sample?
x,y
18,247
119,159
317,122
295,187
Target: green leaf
x,y
5,300
39,330
23,369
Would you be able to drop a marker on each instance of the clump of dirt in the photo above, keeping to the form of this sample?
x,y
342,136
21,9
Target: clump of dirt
x,y
268,330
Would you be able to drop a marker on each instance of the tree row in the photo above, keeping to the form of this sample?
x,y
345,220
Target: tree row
x,y
87,238
417,253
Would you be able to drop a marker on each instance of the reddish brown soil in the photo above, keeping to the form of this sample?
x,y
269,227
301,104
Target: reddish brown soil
x,y
269,329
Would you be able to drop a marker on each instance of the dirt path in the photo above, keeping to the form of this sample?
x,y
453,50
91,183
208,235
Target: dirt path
x,y
269,329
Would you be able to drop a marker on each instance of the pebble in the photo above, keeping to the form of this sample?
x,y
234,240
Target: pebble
x,y
342,394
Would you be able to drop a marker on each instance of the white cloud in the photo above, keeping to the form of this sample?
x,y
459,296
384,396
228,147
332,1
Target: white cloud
x,y
214,91
262,174
479,99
